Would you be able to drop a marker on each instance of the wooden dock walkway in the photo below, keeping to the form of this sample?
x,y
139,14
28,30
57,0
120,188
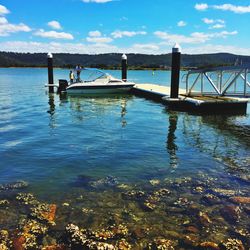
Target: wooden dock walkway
x,y
195,102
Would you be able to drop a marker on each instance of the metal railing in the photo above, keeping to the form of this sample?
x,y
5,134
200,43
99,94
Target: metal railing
x,y
220,81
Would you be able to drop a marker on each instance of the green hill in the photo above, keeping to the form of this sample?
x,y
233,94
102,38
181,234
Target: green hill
x,y
113,60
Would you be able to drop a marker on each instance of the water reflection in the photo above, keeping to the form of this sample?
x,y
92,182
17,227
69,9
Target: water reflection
x,y
229,124
172,147
52,108
220,137
89,107
123,112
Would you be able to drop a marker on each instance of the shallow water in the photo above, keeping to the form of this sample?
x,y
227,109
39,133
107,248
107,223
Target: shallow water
x,y
92,152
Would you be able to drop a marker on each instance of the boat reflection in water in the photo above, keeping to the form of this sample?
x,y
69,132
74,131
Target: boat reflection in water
x,y
96,106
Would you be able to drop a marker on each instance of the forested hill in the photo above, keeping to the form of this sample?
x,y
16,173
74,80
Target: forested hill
x,y
113,60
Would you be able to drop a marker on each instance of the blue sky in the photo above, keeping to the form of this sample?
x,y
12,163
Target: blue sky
x,y
125,26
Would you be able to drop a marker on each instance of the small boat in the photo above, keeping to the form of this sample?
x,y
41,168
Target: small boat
x,y
98,82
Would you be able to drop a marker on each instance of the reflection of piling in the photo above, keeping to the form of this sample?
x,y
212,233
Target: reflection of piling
x,y
50,73
175,71
124,67
171,144
52,105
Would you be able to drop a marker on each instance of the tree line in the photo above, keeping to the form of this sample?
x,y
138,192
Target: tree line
x,y
113,60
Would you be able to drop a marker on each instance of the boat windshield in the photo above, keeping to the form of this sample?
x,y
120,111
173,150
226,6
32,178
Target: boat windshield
x,y
90,74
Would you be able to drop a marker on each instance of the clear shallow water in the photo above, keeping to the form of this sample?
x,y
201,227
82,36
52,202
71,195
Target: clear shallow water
x,y
59,145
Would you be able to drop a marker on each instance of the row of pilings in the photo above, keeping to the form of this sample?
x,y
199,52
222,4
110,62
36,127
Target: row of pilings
x,y
175,71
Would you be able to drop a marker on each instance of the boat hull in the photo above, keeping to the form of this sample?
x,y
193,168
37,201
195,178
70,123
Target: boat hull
x,y
98,90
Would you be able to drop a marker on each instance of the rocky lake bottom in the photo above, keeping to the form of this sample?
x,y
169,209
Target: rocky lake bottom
x,y
192,212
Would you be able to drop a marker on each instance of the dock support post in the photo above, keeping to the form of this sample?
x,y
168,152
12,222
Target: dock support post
x,y
175,71
124,67
50,72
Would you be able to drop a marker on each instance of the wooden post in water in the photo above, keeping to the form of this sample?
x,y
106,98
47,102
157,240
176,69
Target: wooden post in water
x,y
50,73
175,71
124,67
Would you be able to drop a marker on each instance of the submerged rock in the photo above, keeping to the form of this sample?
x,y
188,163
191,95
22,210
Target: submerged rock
x,y
163,244
210,199
148,206
27,198
4,203
154,182
109,181
225,192
231,213
204,219
191,241
44,212
54,247
192,229
103,234
208,245
123,186
5,242
78,239
240,199
134,195
123,245
76,236
198,190
120,230
14,185
232,244
162,192
182,202
33,227
25,241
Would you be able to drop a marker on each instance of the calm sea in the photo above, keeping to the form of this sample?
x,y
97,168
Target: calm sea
x,y
59,144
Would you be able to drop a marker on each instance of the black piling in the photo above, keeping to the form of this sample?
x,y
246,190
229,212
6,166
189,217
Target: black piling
x,y
175,71
50,73
124,67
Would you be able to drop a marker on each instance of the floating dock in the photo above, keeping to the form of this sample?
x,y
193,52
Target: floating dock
x,y
191,103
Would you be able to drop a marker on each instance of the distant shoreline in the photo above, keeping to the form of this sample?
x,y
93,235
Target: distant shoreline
x,y
129,68
112,61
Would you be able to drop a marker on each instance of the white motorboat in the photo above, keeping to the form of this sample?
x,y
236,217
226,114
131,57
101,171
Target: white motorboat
x,y
98,82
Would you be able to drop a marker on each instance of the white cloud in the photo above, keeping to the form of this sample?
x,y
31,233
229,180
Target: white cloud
x,y
100,39
3,10
95,33
7,28
217,23
96,1
96,37
123,18
220,21
233,8
181,24
201,6
207,20
145,48
56,47
225,34
55,25
120,34
225,7
217,26
3,20
213,48
193,38
172,38
54,34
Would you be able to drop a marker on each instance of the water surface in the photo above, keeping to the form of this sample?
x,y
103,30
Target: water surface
x,y
102,148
